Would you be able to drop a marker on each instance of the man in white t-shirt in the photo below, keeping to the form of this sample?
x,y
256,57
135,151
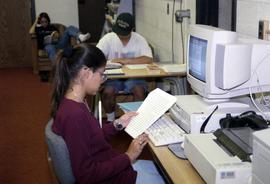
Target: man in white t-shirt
x,y
126,47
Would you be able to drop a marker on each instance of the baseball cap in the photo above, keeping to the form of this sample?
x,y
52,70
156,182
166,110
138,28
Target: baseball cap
x,y
123,24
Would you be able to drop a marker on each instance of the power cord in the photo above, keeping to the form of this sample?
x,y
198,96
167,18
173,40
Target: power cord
x,y
263,100
182,35
173,31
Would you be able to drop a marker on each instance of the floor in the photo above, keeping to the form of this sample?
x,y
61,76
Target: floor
x,y
24,111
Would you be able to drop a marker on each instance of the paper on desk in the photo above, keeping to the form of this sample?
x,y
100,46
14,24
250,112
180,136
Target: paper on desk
x,y
153,107
112,65
137,66
118,71
171,68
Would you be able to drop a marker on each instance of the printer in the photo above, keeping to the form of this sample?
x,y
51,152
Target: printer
x,y
261,157
218,164
190,111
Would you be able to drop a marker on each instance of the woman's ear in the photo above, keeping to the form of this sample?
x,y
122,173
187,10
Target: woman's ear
x,y
87,73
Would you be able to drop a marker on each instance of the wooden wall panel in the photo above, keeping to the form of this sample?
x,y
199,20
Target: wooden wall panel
x,y
15,42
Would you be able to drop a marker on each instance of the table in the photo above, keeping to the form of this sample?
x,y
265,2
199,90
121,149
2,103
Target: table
x,y
148,75
175,170
144,73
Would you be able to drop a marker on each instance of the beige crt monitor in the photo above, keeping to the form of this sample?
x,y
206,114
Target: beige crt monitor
x,y
221,65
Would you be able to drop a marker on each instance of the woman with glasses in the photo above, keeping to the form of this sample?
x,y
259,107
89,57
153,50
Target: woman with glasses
x,y
92,158
48,36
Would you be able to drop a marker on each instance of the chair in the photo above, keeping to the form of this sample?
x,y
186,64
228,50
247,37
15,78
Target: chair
x,y
41,63
59,155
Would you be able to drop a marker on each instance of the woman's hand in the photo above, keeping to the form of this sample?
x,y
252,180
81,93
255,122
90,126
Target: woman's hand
x,y
136,146
125,119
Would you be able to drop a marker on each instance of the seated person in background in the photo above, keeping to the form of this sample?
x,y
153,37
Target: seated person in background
x,y
126,47
48,36
92,158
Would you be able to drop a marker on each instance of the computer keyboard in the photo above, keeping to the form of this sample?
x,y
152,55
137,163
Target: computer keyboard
x,y
164,131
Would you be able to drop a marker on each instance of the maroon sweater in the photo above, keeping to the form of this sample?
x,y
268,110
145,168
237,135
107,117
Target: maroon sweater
x,y
92,158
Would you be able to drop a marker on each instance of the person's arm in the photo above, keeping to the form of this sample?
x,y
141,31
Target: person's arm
x,y
81,139
32,30
136,60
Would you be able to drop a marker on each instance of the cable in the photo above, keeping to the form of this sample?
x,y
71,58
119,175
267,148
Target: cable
x,y
173,31
207,120
259,85
182,35
182,40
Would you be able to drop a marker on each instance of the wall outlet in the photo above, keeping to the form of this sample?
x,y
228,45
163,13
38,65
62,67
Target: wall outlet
x,y
263,31
180,14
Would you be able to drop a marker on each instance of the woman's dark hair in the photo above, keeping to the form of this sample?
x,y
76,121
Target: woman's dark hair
x,y
67,69
44,15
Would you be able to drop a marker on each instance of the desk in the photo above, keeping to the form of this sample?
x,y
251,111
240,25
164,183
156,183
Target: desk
x,y
138,73
149,76
176,171
144,73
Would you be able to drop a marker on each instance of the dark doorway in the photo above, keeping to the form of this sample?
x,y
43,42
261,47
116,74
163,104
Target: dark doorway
x,y
91,17
218,13
207,12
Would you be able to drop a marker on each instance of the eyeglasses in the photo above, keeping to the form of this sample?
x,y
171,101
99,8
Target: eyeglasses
x,y
104,76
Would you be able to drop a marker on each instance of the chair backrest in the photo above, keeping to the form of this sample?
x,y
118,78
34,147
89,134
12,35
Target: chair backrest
x,y
59,155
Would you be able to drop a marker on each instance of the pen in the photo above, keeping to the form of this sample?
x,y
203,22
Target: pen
x,y
100,113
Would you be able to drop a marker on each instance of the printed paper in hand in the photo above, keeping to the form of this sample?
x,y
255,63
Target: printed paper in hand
x,y
153,107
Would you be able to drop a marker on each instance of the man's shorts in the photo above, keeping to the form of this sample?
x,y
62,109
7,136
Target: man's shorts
x,y
126,85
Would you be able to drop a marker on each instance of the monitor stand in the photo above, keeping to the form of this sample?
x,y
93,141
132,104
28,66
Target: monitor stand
x,y
225,104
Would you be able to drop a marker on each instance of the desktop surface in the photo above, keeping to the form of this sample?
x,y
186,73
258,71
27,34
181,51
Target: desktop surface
x,y
145,73
176,170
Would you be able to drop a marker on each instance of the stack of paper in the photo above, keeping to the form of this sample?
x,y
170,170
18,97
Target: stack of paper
x,y
114,72
137,66
153,107
112,65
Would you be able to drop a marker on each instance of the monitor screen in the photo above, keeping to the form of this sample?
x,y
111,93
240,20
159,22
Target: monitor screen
x,y
197,57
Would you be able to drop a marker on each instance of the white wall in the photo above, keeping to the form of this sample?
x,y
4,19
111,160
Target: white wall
x,y
60,11
153,22
249,12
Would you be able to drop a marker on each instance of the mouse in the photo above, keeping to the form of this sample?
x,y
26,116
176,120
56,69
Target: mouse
x,y
178,150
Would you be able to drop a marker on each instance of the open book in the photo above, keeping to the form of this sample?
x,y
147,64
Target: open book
x,y
153,107
112,65
52,38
